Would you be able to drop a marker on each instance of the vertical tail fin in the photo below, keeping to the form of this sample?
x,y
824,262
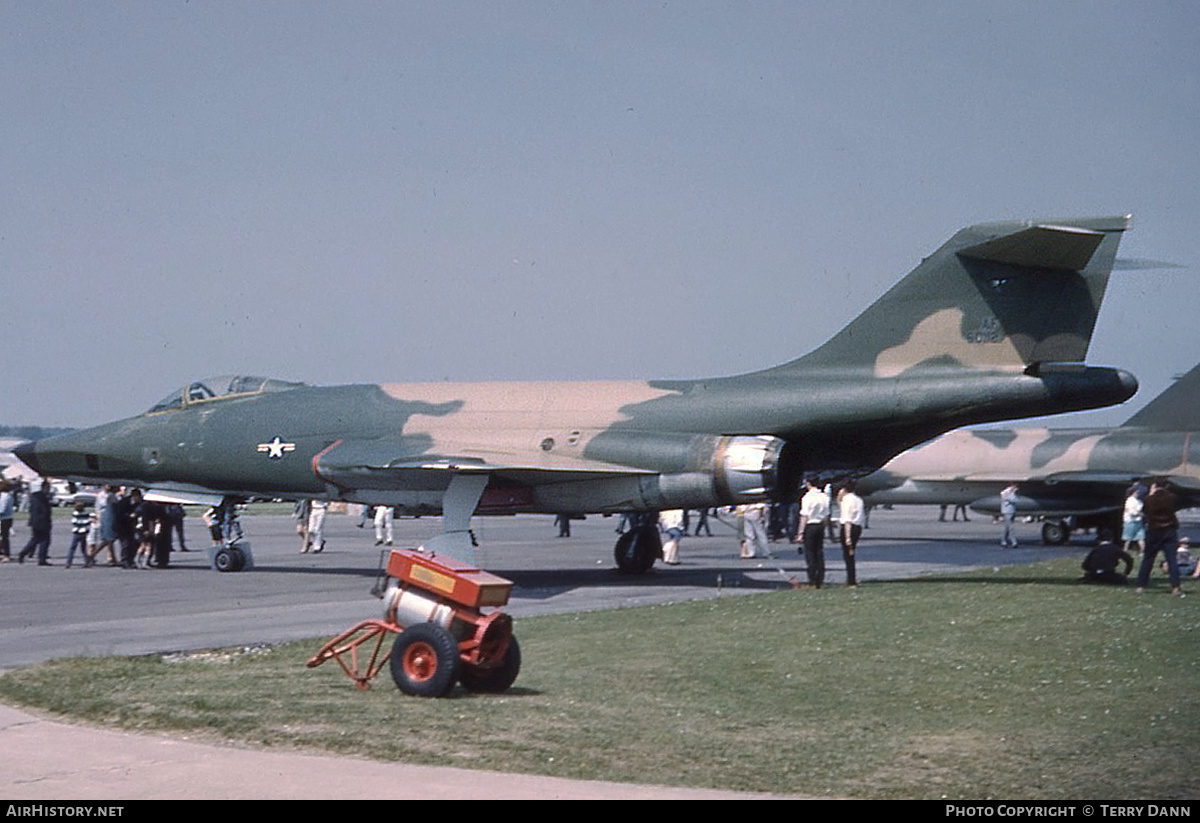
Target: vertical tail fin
x,y
995,296
1176,409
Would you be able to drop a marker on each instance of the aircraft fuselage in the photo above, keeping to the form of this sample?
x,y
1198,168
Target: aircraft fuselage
x,y
295,443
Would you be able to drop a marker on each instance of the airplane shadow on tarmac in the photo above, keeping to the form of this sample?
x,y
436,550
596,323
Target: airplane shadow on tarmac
x,y
548,582
321,571
532,584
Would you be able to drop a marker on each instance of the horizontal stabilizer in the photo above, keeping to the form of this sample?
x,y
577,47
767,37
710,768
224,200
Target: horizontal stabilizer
x,y
1060,248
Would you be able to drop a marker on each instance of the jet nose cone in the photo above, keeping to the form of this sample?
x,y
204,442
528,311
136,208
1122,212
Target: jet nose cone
x,y
25,452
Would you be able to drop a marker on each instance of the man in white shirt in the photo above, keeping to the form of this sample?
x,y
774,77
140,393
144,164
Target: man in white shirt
x,y
814,511
1008,510
853,518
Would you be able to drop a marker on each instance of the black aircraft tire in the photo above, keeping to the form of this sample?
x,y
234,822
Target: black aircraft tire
x,y
637,550
623,553
229,560
425,661
494,680
1055,533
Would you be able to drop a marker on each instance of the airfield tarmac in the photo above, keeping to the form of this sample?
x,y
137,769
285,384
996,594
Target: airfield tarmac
x,y
57,612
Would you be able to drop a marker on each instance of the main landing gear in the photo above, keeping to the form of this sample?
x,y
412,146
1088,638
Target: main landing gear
x,y
1057,532
638,548
231,555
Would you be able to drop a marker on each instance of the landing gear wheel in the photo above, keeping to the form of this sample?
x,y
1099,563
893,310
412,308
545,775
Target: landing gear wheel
x,y
229,560
637,550
425,661
497,679
1055,533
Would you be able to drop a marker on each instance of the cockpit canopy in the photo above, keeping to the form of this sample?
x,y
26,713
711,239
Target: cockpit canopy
x,y
221,388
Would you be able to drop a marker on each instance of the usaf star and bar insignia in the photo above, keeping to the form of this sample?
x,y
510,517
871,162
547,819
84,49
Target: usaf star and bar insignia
x,y
276,449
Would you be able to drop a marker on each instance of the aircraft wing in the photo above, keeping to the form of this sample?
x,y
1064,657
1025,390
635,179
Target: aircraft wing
x,y
1052,504
1185,482
1121,479
1104,478
1080,493
182,493
382,464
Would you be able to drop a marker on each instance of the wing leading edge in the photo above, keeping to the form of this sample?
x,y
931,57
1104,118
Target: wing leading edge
x,y
379,464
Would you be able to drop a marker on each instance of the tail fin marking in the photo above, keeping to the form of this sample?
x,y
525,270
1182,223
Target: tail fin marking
x,y
995,296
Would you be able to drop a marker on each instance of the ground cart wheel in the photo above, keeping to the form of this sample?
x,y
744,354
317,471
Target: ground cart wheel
x,y
425,661
494,680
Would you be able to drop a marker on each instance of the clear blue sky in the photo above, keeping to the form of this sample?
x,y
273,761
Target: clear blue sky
x,y
556,190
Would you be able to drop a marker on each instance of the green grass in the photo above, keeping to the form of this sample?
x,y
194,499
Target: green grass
x,y
1014,683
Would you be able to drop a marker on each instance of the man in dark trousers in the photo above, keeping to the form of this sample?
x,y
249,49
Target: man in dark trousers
x,y
125,513
39,524
814,511
1162,534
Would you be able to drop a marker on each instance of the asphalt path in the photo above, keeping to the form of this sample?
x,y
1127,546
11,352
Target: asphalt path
x,y
52,612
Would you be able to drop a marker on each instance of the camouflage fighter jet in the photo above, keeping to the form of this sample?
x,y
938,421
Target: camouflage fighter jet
x,y
1074,478
994,325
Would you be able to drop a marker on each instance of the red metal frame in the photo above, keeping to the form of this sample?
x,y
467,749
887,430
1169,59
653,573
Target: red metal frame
x,y
367,630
